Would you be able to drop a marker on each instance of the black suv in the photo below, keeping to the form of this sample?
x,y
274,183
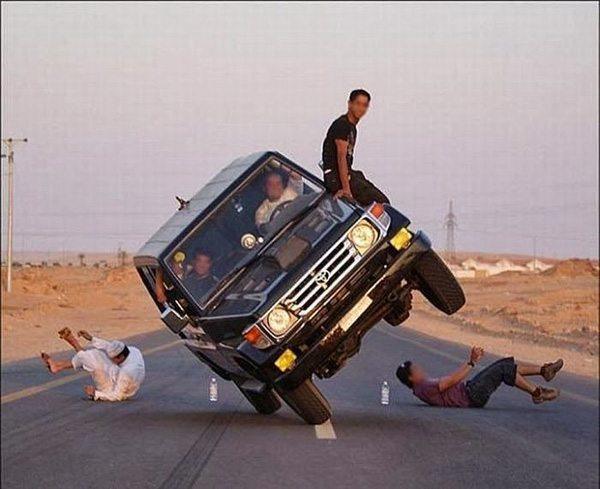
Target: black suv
x,y
270,280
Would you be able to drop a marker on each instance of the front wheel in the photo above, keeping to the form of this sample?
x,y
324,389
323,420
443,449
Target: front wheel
x,y
264,403
437,283
307,402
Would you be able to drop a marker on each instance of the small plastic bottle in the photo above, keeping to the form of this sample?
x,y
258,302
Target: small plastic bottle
x,y
213,390
385,393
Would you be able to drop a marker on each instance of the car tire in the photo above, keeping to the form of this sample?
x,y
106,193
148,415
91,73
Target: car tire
x,y
437,283
264,403
307,402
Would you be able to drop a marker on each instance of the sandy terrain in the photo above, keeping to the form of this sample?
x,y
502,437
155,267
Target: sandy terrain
x,y
110,303
534,317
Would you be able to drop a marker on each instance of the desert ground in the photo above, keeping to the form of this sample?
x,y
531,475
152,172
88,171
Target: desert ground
x,y
535,317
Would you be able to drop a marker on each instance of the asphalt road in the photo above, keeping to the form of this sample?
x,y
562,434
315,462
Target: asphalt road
x,y
171,436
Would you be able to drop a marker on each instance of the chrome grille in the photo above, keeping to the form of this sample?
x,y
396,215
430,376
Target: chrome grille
x,y
325,275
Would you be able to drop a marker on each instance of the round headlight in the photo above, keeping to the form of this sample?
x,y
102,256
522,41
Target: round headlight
x,y
279,320
363,236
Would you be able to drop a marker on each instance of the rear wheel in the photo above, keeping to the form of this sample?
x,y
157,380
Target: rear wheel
x,y
437,283
265,403
307,402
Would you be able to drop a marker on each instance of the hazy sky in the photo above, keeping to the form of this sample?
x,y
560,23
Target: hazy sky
x,y
125,105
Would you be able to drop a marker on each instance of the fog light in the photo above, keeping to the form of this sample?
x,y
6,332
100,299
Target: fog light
x,y
402,239
286,360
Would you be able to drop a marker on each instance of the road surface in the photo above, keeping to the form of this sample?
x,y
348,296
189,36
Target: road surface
x,y
171,436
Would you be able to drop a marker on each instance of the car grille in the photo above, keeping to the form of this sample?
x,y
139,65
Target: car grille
x,y
325,275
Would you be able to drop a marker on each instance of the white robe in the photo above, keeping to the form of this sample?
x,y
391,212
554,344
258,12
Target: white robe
x,y
265,209
112,382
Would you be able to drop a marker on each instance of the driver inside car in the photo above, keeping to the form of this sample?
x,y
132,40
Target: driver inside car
x,y
200,280
277,194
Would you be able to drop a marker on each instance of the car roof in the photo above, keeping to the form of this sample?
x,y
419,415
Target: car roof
x,y
200,204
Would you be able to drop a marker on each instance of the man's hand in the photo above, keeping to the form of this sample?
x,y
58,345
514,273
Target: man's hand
x,y
89,391
83,333
344,193
476,354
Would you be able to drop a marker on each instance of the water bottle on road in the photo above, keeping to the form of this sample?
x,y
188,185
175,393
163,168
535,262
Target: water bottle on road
x,y
213,390
385,393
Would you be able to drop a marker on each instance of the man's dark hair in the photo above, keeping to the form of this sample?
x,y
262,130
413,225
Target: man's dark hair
x,y
124,353
201,251
403,374
357,92
271,173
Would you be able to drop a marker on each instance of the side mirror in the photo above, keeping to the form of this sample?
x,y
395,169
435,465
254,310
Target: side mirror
x,y
173,320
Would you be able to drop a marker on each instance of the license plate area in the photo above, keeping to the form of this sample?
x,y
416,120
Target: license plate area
x,y
349,318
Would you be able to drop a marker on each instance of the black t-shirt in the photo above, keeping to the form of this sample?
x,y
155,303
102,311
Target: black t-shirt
x,y
199,286
341,128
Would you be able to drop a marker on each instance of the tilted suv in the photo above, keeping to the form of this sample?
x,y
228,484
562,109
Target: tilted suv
x,y
270,280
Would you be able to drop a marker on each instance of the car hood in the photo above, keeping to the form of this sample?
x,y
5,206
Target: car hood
x,y
285,259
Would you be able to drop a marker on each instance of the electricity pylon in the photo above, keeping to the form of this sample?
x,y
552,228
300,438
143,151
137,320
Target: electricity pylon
x,y
450,225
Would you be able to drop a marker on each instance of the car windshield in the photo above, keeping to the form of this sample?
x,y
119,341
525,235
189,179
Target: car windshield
x,y
272,197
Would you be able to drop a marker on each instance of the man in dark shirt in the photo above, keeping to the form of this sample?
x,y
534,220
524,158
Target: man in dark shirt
x,y
338,155
452,391
200,280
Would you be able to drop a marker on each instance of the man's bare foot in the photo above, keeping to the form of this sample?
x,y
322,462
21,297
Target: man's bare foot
x,y
83,333
48,362
65,333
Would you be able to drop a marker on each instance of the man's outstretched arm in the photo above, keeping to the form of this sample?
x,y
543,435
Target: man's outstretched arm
x,y
462,372
96,342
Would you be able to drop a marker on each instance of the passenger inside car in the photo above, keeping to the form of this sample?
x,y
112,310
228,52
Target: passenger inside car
x,y
200,280
277,194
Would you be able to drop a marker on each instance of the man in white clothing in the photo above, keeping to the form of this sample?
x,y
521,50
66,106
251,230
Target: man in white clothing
x,y
277,194
117,370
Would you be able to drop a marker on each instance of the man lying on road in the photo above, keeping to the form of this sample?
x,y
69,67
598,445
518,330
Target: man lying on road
x,y
117,370
452,391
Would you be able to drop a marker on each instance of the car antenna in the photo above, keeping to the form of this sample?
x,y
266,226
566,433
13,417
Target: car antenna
x,y
183,204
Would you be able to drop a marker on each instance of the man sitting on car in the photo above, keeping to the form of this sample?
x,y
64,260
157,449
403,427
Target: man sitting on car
x,y
277,194
200,280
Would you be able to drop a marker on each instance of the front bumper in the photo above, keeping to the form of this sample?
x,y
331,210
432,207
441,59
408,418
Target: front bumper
x,y
320,336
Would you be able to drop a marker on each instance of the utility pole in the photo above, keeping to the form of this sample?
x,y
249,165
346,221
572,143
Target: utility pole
x,y
9,232
450,225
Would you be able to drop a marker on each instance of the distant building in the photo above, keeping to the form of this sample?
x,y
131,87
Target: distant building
x,y
537,266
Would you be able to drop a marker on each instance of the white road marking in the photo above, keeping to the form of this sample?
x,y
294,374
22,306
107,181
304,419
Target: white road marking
x,y
36,389
578,397
325,431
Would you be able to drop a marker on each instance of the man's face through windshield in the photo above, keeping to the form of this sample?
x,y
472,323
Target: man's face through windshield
x,y
274,186
202,264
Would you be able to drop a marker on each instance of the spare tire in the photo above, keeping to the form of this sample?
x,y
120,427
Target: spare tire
x,y
437,283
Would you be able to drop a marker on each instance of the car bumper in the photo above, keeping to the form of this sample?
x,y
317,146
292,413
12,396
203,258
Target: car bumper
x,y
346,319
